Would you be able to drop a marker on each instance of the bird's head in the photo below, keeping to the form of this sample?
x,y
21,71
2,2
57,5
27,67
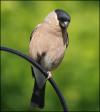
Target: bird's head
x,y
63,18
58,17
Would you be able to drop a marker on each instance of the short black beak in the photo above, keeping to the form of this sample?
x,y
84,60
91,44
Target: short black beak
x,y
64,24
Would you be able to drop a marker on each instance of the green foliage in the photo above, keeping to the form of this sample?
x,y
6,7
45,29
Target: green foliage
x,y
78,74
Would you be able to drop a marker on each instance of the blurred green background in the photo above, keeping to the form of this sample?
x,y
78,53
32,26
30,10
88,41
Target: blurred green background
x,y
77,76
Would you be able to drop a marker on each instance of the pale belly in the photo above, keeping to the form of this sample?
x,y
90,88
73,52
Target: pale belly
x,y
53,58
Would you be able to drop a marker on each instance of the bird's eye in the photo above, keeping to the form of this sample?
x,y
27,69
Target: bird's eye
x,y
62,19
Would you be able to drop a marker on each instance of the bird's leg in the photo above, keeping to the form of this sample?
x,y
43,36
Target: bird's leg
x,y
49,75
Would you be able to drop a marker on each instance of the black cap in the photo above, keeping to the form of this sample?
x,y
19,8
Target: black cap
x,y
62,15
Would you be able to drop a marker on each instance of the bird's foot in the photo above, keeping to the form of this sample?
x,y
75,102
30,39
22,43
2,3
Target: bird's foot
x,y
49,75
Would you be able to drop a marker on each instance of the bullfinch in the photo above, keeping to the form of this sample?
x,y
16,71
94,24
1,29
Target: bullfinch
x,y
48,42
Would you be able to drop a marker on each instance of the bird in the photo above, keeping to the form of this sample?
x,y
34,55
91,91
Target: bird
x,y
48,42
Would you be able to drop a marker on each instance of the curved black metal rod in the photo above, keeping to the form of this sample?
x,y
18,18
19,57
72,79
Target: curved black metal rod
x,y
34,63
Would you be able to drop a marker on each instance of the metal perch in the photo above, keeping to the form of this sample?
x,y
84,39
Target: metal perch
x,y
34,63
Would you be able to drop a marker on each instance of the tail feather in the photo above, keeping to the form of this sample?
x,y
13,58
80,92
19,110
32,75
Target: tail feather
x,y
38,96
